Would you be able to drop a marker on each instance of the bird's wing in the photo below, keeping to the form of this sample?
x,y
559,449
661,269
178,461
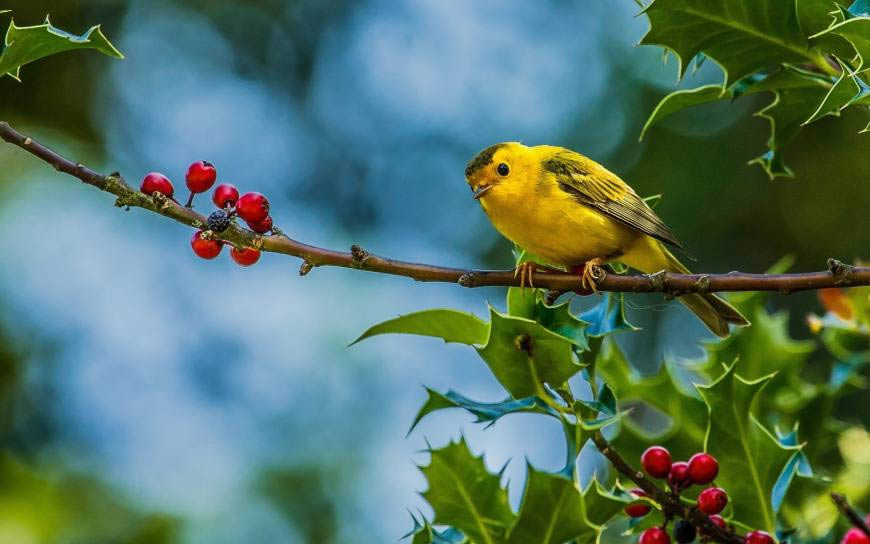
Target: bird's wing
x,y
595,186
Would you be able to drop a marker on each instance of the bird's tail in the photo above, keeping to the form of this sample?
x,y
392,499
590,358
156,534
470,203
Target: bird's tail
x,y
713,310
710,308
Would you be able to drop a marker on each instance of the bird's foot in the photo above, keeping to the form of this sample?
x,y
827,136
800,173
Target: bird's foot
x,y
526,269
591,274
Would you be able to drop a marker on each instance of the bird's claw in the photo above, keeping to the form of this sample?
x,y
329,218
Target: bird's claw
x,y
591,274
525,270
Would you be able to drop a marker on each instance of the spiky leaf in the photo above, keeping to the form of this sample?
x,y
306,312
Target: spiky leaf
x,y
531,304
465,495
486,412
742,36
762,349
857,32
750,458
553,510
848,89
449,325
682,99
607,317
523,355
25,44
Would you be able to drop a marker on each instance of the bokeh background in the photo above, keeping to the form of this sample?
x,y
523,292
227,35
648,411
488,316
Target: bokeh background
x,y
149,396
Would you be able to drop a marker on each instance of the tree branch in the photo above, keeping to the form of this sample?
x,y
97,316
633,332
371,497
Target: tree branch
x,y
850,513
837,275
670,503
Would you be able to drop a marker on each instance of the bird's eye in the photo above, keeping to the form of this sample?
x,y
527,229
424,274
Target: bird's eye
x,y
503,169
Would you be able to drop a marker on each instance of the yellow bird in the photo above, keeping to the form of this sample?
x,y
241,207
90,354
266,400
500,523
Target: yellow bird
x,y
572,212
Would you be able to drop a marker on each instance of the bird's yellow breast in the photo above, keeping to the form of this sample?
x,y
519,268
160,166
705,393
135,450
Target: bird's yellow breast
x,y
550,223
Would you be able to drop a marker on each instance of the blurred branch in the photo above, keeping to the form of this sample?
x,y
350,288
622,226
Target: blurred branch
x,y
837,275
850,513
670,503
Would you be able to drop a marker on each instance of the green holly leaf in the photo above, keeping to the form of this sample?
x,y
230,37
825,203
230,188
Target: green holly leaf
x,y
755,83
742,36
797,465
857,32
600,507
551,511
607,317
750,458
429,535
848,89
559,319
424,533
25,44
682,99
521,302
486,412
763,349
786,114
523,355
449,325
664,392
816,16
465,495
860,8
554,511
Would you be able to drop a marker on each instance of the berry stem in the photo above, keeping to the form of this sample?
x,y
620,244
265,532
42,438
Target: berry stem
x,y
670,503
837,274
850,513
190,200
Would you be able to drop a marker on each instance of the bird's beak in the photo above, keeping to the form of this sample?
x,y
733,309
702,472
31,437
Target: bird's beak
x,y
481,190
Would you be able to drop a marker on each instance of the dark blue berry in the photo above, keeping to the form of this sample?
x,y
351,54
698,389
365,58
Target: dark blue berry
x,y
219,221
684,532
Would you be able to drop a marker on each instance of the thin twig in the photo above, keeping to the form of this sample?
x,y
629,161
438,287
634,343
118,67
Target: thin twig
x,y
837,275
670,503
854,518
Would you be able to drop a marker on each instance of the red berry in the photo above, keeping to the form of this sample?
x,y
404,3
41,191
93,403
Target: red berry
x,y
263,226
758,537
654,535
719,521
712,500
703,468
225,195
156,182
252,207
245,256
679,475
200,176
207,249
656,461
638,509
855,536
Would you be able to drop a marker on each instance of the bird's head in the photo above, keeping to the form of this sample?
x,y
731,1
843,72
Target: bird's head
x,y
500,168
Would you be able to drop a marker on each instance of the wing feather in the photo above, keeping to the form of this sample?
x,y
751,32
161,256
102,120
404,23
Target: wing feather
x,y
595,186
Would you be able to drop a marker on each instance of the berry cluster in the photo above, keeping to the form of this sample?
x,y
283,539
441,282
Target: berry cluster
x,y
253,208
700,469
